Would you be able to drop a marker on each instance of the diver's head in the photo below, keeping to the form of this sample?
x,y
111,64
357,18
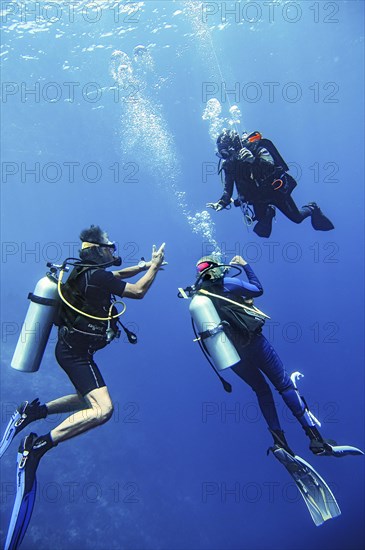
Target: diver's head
x,y
228,144
206,269
97,248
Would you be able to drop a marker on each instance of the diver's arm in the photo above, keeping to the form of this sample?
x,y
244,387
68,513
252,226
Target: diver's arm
x,y
264,165
139,289
253,282
264,156
131,271
252,288
229,179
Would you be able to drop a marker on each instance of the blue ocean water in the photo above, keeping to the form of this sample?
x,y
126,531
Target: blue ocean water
x,y
97,131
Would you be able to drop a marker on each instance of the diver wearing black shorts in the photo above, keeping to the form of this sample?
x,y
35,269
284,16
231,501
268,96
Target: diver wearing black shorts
x,y
80,338
88,322
78,363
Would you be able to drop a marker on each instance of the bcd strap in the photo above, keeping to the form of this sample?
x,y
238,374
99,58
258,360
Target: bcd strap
x,y
43,301
213,331
253,310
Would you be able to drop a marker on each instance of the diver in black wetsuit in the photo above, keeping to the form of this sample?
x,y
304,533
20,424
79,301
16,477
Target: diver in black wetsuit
x,y
261,178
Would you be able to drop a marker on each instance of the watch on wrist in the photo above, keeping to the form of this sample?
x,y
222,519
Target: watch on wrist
x,y
142,264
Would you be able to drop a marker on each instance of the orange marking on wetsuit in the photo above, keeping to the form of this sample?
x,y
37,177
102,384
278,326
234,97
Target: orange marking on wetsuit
x,y
276,187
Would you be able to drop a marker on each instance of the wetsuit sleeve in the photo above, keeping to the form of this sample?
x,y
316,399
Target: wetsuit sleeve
x,y
264,165
250,289
265,156
228,184
107,281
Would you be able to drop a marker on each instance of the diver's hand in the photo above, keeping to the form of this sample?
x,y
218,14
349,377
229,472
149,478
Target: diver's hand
x,y
217,206
238,260
245,155
158,256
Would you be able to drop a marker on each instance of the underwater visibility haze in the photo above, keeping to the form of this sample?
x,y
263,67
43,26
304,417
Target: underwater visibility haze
x,y
110,116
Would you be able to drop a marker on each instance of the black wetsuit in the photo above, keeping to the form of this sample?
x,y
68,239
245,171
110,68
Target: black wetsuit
x,y
254,177
75,350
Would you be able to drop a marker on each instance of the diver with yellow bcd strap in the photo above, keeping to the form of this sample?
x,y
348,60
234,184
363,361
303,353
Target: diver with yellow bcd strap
x,y
87,321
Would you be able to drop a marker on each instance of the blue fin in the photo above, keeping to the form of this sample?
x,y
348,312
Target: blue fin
x,y
23,415
12,428
318,497
26,489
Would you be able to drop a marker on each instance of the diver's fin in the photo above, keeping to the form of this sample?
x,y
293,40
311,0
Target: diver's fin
x,y
320,222
318,497
22,417
263,227
340,451
12,428
26,489
327,447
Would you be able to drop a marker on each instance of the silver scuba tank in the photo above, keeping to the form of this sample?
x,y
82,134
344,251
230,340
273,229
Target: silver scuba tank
x,y
37,325
221,350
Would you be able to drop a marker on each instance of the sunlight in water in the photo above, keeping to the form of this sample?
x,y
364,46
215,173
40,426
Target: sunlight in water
x,y
145,131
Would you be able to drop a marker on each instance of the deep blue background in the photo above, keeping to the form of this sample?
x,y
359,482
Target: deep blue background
x,y
138,482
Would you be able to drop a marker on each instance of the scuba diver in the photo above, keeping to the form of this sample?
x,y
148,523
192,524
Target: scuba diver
x,y
261,176
82,330
242,322
228,327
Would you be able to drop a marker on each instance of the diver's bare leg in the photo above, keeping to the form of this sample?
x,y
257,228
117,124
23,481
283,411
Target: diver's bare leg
x,y
67,404
99,410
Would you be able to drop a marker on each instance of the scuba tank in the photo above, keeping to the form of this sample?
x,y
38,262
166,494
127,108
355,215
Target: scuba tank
x,y
211,331
37,325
